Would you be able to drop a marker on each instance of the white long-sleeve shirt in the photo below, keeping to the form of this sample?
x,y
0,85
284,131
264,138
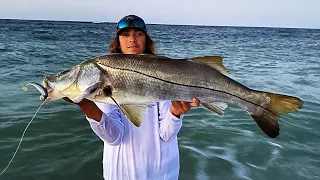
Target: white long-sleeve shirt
x,y
139,153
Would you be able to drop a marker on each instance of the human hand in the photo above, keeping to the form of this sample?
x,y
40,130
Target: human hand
x,y
181,107
89,108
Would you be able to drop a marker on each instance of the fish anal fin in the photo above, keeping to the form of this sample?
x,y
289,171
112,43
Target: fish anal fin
x,y
134,113
217,107
213,61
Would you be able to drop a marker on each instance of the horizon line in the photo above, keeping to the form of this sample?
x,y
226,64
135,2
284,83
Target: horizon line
x,y
205,25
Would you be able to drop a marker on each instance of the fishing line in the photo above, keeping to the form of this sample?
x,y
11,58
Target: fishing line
x,y
22,138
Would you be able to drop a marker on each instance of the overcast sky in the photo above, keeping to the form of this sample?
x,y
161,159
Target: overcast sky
x,y
267,13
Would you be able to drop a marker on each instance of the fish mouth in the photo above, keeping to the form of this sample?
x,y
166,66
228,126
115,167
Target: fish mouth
x,y
48,84
53,93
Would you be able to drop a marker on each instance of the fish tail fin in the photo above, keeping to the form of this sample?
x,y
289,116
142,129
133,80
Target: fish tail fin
x,y
278,105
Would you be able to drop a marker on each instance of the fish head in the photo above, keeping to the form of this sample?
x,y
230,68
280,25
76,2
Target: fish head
x,y
76,83
58,83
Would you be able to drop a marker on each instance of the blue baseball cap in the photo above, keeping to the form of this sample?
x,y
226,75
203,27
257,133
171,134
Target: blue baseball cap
x,y
131,21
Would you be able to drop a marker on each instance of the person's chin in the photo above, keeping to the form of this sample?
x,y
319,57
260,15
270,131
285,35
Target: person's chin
x,y
133,51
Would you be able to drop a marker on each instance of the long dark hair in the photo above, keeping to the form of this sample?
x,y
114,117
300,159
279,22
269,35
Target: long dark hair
x,y
150,45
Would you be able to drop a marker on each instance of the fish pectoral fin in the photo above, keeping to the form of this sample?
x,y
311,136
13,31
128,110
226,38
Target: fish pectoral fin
x,y
133,112
213,61
86,93
217,107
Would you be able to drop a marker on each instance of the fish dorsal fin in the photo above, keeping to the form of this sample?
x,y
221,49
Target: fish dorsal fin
x,y
134,113
217,107
213,61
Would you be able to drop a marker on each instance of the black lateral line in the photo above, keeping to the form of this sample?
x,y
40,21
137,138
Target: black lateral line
x,y
170,82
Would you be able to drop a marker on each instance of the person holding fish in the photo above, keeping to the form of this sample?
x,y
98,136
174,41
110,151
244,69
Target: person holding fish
x,y
119,91
135,100
151,150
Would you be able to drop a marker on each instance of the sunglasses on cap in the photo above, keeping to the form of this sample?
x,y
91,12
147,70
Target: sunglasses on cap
x,y
131,23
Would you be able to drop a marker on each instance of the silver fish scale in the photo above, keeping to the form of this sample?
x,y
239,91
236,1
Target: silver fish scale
x,y
176,71
153,78
133,88
182,72
88,76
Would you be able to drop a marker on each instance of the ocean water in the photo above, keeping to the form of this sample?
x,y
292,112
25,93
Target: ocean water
x,y
59,143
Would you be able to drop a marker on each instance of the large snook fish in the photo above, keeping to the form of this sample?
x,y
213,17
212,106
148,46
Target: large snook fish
x,y
133,81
